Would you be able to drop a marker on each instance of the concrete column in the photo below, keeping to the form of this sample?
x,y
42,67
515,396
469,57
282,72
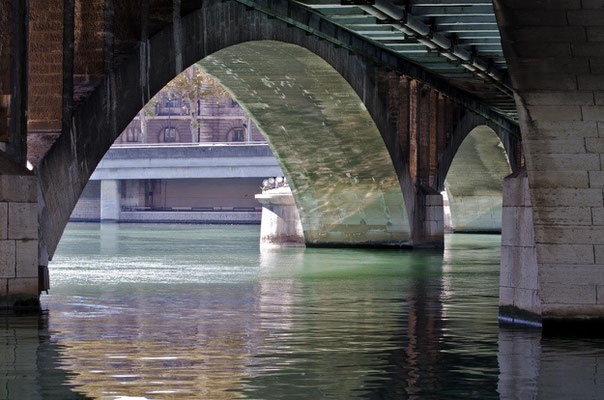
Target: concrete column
x,y
18,237
553,51
518,285
430,221
281,225
110,200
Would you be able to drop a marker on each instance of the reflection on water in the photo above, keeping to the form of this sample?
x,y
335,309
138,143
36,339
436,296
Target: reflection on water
x,y
177,311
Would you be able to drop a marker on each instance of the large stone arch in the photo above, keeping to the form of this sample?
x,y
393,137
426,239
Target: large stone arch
x,y
66,167
474,182
339,169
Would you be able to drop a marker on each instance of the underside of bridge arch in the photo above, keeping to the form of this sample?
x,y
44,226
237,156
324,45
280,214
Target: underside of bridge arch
x,y
474,182
341,174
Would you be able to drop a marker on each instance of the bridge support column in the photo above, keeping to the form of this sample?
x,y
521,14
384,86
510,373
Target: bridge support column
x,y
110,200
430,221
19,286
281,225
554,58
518,285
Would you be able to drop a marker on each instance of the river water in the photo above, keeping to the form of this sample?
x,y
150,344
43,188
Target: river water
x,y
189,311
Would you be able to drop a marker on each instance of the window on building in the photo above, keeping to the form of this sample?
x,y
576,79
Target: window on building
x,y
173,103
170,135
237,135
132,134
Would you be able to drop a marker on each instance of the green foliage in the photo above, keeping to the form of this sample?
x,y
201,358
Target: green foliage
x,y
190,85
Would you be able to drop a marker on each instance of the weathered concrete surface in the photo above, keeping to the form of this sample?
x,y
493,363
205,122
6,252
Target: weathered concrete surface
x,y
554,54
381,80
519,297
474,182
188,161
328,146
281,225
110,200
18,237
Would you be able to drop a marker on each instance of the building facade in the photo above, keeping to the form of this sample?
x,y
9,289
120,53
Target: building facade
x,y
217,186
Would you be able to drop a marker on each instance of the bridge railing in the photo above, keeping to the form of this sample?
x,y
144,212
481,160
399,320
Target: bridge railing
x,y
189,144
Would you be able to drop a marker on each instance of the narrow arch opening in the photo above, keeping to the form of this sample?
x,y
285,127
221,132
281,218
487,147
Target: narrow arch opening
x,y
474,184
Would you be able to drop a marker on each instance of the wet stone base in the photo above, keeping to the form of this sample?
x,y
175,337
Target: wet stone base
x,y
361,245
19,302
511,315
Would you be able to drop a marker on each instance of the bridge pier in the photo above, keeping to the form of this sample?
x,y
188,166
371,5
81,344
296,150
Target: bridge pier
x,y
553,53
110,200
519,299
281,225
19,286
430,225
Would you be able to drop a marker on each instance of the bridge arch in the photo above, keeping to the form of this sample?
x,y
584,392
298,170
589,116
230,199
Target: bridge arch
x,y
477,158
474,182
67,166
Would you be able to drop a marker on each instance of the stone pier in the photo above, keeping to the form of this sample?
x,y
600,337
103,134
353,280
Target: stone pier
x,y
518,286
281,225
19,286
110,200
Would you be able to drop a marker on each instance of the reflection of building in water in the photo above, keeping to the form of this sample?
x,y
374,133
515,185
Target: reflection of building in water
x,y
31,367
203,169
129,349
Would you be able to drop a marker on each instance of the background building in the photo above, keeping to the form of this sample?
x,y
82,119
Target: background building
x,y
182,160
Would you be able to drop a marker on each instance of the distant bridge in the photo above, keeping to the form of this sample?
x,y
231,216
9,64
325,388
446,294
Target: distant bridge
x,y
186,161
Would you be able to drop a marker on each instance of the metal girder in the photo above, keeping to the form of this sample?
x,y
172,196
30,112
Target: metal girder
x,y
457,39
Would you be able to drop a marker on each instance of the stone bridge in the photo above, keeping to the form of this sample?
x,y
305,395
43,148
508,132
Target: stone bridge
x,y
370,107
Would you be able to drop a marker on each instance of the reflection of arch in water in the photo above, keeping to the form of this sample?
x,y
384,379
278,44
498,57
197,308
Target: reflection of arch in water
x,y
339,169
474,182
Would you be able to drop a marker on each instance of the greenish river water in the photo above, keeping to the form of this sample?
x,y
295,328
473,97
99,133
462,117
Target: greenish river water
x,y
189,311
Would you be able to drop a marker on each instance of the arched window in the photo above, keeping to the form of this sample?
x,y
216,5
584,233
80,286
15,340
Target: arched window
x,y
132,134
237,135
170,135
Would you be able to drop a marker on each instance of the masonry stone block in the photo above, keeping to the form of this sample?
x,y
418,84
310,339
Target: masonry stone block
x,y
600,290
23,286
523,268
563,162
559,179
553,146
562,216
596,179
565,253
3,287
569,234
26,258
591,197
7,261
513,196
562,129
593,113
557,113
527,299
573,274
569,294
595,145
521,219
3,221
591,82
23,221
506,296
598,215
599,254
18,188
